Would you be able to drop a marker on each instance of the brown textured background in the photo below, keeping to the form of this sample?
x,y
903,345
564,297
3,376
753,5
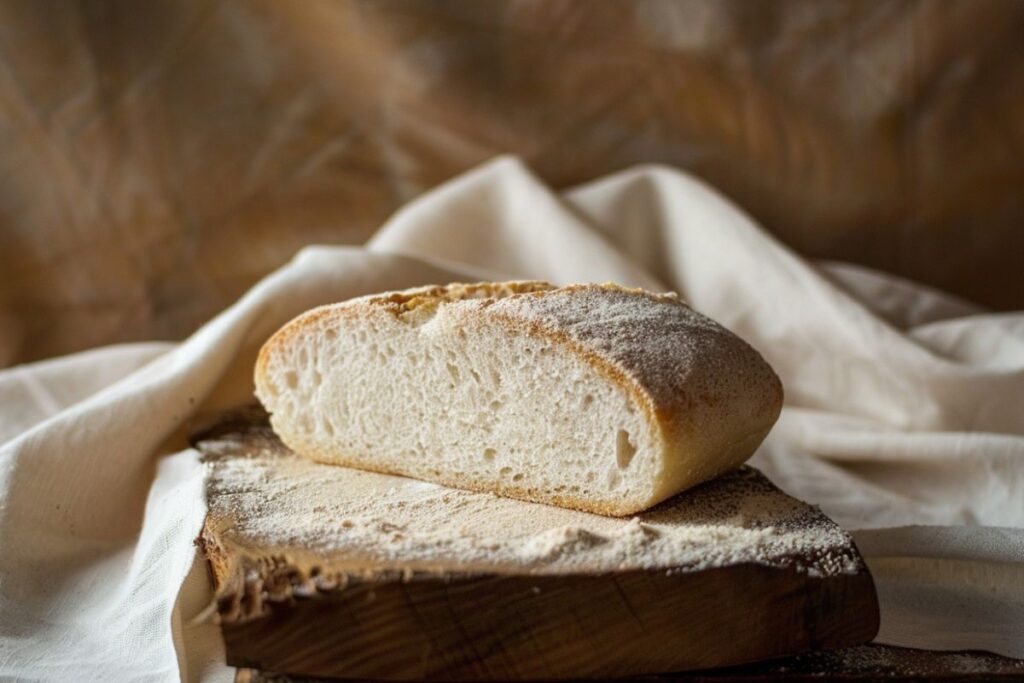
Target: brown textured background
x,y
157,158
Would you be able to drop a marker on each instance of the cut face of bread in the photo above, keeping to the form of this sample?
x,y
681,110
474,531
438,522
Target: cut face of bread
x,y
594,397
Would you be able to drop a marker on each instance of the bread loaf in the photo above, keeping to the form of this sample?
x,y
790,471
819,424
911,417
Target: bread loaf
x,y
594,397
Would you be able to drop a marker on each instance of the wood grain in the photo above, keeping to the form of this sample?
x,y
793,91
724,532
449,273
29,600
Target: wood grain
x,y
286,610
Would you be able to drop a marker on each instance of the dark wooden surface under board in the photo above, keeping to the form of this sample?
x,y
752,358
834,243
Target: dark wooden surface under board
x,y
861,663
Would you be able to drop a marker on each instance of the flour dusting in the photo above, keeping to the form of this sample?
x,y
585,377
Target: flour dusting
x,y
269,498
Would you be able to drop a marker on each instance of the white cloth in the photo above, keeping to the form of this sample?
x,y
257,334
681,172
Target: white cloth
x,y
904,418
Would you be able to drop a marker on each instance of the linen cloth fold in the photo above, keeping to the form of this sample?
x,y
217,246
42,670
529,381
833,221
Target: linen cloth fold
x,y
904,417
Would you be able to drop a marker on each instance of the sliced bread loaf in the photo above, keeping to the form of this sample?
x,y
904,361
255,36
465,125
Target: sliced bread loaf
x,y
594,397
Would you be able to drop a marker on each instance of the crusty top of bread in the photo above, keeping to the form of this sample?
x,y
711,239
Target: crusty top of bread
x,y
432,296
652,340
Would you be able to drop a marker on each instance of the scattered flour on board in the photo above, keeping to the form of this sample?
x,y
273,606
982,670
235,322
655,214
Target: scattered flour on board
x,y
270,498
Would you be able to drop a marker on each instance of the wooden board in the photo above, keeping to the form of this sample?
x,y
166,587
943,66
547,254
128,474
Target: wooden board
x,y
290,607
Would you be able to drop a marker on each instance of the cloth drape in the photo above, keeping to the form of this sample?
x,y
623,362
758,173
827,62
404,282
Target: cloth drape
x,y
904,417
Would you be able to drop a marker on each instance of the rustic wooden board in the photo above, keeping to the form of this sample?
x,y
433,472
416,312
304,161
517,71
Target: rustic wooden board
x,y
291,610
